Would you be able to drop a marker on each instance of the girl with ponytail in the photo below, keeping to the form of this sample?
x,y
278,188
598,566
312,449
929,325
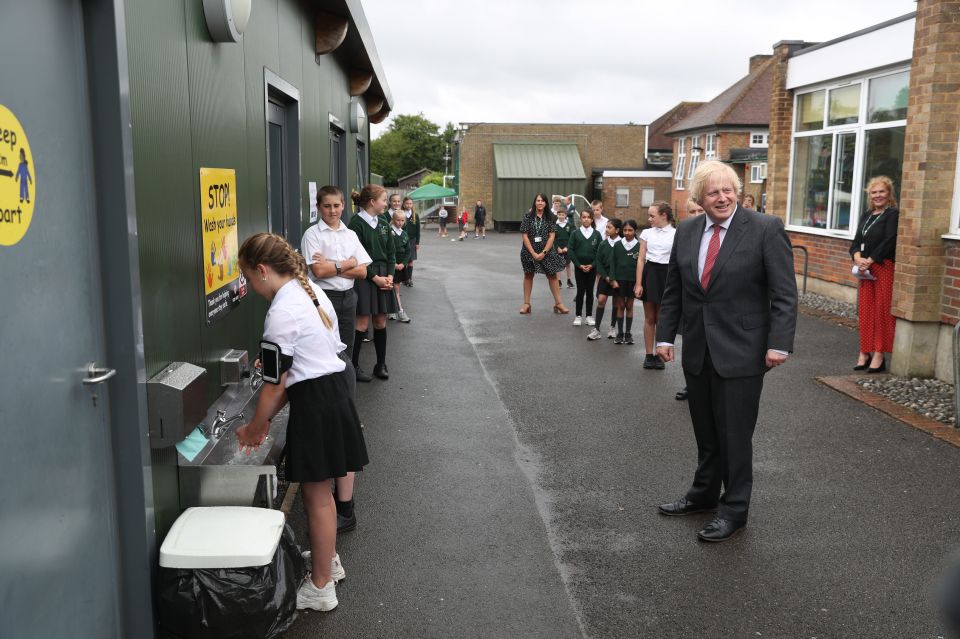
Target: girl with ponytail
x,y
324,440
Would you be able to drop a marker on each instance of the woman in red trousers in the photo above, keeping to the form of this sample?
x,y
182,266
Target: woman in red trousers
x,y
874,252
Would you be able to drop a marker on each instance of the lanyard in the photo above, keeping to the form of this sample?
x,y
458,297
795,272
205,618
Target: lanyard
x,y
538,224
869,224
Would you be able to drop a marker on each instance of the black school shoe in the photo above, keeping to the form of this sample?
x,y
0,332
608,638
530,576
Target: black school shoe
x,y
346,524
658,364
619,339
628,338
380,370
362,376
649,361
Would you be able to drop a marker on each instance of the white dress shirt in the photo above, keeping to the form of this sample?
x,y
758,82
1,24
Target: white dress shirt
x,y
336,245
705,239
659,243
295,325
369,219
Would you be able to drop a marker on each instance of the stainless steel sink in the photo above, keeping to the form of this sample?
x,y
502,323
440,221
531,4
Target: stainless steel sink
x,y
224,475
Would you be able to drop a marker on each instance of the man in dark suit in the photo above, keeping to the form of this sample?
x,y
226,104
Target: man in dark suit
x,y
731,288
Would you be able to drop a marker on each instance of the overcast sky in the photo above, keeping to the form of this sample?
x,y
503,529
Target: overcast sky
x,y
594,61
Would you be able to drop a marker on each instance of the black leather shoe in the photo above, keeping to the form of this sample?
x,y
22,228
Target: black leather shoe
x,y
683,506
361,376
865,365
346,524
879,369
720,529
681,394
380,370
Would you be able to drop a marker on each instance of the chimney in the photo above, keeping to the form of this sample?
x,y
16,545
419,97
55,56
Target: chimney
x,y
757,60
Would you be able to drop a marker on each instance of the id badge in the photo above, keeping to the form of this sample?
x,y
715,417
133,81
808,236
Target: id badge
x,y
538,239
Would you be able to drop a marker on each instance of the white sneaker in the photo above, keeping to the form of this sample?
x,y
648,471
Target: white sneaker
x,y
612,332
594,334
337,573
578,321
391,316
403,317
591,322
322,599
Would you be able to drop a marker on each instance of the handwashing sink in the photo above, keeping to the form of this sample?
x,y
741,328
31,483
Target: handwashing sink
x,y
221,474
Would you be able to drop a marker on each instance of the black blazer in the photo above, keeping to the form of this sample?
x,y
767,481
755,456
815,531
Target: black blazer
x,y
750,305
880,242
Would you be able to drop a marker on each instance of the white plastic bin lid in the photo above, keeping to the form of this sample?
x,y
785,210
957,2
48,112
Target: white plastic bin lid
x,y
222,537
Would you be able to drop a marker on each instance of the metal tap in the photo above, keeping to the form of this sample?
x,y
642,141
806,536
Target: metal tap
x,y
221,422
256,378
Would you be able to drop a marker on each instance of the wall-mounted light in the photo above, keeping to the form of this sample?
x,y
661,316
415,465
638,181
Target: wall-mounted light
x,y
227,19
358,116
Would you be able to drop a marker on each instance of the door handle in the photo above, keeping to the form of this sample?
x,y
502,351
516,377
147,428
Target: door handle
x,y
97,375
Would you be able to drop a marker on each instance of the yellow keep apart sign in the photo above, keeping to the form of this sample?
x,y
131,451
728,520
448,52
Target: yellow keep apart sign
x,y
219,244
18,179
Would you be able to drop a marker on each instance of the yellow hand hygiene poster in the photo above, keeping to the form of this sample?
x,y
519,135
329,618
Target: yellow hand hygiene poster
x,y
221,272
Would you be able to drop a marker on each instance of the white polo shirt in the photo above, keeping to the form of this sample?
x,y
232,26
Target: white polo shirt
x,y
336,245
659,243
294,323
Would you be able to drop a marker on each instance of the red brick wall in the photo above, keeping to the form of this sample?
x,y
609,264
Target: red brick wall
x,y
829,257
950,303
661,187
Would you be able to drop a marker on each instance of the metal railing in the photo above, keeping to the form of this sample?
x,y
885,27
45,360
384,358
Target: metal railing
x,y
806,264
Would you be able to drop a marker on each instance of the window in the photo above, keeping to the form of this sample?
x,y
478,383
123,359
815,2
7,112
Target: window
x,y
759,140
646,196
840,141
681,160
694,154
623,197
711,152
758,172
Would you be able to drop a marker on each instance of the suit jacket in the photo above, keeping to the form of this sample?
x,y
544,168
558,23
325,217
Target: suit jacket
x,y
751,302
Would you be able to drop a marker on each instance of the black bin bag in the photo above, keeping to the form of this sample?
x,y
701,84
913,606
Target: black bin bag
x,y
233,603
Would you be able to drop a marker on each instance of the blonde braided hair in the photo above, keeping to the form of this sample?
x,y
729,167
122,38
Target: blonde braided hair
x,y
274,251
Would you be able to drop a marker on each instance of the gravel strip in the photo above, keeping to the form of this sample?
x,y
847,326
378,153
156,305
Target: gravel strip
x,y
829,305
929,397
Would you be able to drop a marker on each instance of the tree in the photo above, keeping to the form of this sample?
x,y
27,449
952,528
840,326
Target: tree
x,y
410,143
432,178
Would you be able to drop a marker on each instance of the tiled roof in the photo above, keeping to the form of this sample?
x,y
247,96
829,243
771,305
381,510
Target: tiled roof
x,y
746,103
657,138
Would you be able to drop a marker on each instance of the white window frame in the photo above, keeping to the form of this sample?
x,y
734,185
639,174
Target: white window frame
x,y
647,196
758,172
860,129
624,192
711,148
955,212
694,155
762,143
681,160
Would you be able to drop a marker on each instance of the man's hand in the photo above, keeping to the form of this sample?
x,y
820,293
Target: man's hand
x,y
774,358
665,353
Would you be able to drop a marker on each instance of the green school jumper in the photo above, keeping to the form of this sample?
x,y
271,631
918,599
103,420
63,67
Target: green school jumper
x,y
377,243
582,250
623,262
562,238
602,261
401,245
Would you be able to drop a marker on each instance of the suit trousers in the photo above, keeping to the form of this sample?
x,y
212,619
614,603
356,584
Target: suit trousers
x,y
724,414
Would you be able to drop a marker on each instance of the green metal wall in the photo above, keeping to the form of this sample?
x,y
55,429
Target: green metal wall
x,y
513,198
196,103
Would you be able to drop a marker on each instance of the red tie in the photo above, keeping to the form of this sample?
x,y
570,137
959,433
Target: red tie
x,y
712,251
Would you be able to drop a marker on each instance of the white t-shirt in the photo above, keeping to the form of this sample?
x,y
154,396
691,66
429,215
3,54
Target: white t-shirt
x,y
336,246
659,243
295,325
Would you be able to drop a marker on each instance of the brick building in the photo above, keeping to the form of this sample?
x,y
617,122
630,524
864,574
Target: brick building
x,y
879,101
601,147
733,127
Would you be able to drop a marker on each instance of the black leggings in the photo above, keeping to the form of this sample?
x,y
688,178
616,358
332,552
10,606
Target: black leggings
x,y
585,282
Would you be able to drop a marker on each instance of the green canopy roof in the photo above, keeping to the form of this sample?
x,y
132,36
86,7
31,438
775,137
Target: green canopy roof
x,y
430,192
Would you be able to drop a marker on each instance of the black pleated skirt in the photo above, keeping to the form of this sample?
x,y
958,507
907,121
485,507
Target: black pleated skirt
x,y
324,438
370,299
654,281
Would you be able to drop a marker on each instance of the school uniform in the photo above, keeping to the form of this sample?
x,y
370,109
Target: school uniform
x,y
659,244
582,249
602,264
336,245
562,238
623,265
375,238
324,438
601,225
401,246
412,227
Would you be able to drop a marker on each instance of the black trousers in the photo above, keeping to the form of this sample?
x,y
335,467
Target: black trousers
x,y
724,414
585,283
345,306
